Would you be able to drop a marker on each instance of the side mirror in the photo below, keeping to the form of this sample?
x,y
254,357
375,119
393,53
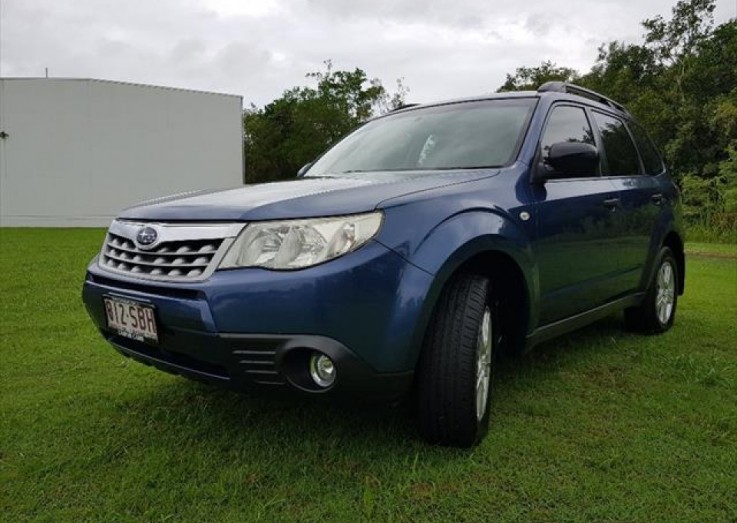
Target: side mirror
x,y
570,159
303,170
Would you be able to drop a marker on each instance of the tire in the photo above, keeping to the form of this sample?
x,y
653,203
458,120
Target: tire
x,y
658,309
455,368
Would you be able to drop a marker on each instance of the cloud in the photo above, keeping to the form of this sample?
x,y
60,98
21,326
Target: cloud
x,y
442,48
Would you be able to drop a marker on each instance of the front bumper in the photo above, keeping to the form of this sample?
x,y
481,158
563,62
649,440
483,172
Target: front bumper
x,y
280,362
254,327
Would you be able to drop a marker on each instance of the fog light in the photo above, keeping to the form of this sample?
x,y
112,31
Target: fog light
x,y
322,370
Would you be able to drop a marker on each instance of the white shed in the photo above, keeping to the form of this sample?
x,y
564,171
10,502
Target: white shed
x,y
74,152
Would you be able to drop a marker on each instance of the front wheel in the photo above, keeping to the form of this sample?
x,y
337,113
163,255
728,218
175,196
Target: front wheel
x,y
455,370
658,310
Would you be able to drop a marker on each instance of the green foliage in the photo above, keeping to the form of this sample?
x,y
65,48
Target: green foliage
x,y
294,129
527,78
681,84
728,181
682,35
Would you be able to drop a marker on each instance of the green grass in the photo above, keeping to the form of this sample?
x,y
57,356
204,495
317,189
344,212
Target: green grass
x,y
601,425
712,249
705,230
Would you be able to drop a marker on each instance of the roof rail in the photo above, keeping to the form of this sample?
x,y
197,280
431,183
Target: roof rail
x,y
565,87
403,106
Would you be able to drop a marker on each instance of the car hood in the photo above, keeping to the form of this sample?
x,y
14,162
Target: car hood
x,y
301,198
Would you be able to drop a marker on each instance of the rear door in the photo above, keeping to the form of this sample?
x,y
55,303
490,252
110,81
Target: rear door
x,y
575,219
641,199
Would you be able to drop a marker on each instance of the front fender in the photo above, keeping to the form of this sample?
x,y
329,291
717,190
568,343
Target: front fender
x,y
456,240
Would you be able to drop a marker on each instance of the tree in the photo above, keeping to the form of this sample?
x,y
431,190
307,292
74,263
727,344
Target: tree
x,y
294,129
680,37
530,78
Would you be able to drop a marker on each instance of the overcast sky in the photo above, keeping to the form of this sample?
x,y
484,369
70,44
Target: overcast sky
x,y
258,48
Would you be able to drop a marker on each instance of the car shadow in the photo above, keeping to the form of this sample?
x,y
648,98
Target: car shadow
x,y
293,421
552,355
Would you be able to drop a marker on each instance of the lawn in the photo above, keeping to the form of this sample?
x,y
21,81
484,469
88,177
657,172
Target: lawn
x,y
601,425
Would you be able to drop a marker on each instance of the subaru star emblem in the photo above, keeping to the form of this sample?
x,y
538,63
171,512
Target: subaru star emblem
x,y
146,237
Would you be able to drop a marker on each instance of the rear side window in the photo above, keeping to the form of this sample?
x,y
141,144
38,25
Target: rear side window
x,y
648,152
621,155
566,124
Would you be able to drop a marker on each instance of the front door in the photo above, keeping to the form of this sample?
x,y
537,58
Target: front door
x,y
575,217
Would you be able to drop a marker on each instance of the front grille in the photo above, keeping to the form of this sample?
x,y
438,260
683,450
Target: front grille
x,y
146,287
176,259
179,252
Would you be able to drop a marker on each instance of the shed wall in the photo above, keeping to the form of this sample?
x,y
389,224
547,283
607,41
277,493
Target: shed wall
x,y
79,151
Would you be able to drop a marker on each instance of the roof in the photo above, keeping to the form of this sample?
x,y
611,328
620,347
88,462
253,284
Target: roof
x,y
479,98
561,90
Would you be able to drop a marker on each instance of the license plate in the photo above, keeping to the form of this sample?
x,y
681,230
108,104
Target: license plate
x,y
131,319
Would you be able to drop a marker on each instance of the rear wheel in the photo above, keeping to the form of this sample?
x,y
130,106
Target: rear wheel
x,y
658,310
455,370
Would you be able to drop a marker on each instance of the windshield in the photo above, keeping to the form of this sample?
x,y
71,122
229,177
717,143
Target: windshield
x,y
454,136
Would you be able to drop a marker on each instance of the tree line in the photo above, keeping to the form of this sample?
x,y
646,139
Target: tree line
x,y
294,129
680,82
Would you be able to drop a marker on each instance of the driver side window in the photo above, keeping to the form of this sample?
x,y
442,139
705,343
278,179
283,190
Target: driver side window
x,y
566,124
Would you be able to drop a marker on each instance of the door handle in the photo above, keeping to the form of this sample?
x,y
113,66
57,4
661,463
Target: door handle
x,y
612,203
657,199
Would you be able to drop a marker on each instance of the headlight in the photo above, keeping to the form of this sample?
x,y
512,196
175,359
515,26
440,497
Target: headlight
x,y
295,244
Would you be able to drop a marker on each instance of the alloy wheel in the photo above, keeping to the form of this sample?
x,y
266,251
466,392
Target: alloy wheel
x,y
483,363
665,292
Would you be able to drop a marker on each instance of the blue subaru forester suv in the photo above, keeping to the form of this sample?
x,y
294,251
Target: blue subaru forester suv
x,y
406,257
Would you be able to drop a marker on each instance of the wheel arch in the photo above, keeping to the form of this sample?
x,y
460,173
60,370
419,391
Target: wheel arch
x,y
506,272
510,288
